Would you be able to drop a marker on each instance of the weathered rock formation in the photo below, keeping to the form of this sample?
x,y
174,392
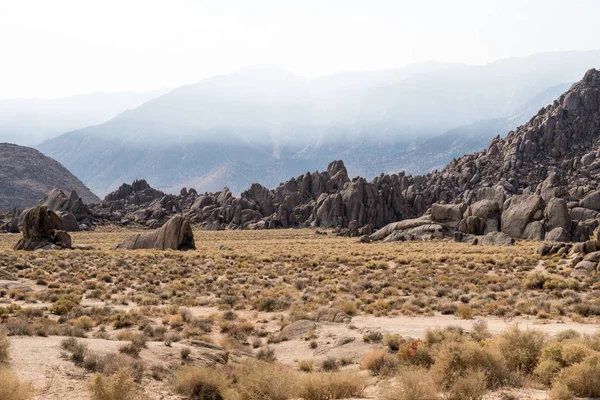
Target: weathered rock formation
x,y
176,234
539,182
42,229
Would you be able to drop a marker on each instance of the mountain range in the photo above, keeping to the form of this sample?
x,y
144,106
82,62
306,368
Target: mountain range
x,y
31,121
264,124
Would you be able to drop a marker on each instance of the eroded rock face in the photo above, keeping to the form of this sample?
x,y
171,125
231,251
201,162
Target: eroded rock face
x,y
74,214
42,229
539,182
176,234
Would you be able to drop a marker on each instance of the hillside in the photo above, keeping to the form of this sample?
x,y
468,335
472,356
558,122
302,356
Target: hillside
x,y
267,119
26,175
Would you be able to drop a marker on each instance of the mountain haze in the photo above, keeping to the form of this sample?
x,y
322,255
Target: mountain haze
x,y
31,121
263,124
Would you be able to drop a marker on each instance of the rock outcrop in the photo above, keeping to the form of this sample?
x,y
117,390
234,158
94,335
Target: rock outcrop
x,y
42,229
176,234
540,182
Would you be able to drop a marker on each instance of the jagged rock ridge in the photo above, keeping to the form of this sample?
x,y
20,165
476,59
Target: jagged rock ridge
x,y
538,182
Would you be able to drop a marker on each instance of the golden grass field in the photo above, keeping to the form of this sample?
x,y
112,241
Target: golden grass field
x,y
135,318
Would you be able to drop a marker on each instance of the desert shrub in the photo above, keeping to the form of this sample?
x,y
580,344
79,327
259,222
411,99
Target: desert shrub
x,y
456,360
393,341
415,353
185,353
464,311
75,347
521,348
556,356
330,364
380,362
112,363
335,385
411,383
65,304
4,345
480,331
11,388
306,365
119,386
130,349
260,380
349,307
583,379
560,391
201,383
266,354
471,386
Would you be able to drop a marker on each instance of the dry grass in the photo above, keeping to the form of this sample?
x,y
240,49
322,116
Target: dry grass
x,y
11,388
201,383
332,385
411,384
253,280
4,345
119,386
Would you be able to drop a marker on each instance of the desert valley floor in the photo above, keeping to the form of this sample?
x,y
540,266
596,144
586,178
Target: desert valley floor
x,y
281,314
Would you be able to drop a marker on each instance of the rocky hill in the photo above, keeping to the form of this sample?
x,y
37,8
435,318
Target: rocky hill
x,y
26,175
540,181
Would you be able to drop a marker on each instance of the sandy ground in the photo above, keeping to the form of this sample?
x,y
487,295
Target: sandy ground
x,y
40,360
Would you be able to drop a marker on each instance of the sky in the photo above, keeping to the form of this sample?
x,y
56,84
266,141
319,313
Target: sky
x,y
58,48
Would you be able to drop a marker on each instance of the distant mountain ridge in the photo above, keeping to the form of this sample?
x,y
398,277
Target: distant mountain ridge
x,y
265,124
31,121
26,175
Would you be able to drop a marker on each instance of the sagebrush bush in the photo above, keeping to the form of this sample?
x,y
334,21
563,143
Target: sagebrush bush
x,y
560,391
201,383
11,388
332,385
380,362
471,386
119,386
260,380
456,360
4,345
521,348
583,379
411,383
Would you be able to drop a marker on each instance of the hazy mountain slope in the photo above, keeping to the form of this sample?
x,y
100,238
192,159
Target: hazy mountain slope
x,y
26,175
436,153
264,116
30,121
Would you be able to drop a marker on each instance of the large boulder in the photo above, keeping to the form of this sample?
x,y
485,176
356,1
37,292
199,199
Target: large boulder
x,y
297,329
42,229
591,201
557,215
558,235
326,314
519,212
176,234
447,212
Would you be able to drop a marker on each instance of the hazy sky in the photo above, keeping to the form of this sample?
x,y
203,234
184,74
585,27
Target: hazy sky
x,y
63,47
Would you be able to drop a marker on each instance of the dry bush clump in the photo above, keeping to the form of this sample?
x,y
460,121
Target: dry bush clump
x,y
4,345
411,383
118,386
332,385
260,380
201,383
380,362
11,388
